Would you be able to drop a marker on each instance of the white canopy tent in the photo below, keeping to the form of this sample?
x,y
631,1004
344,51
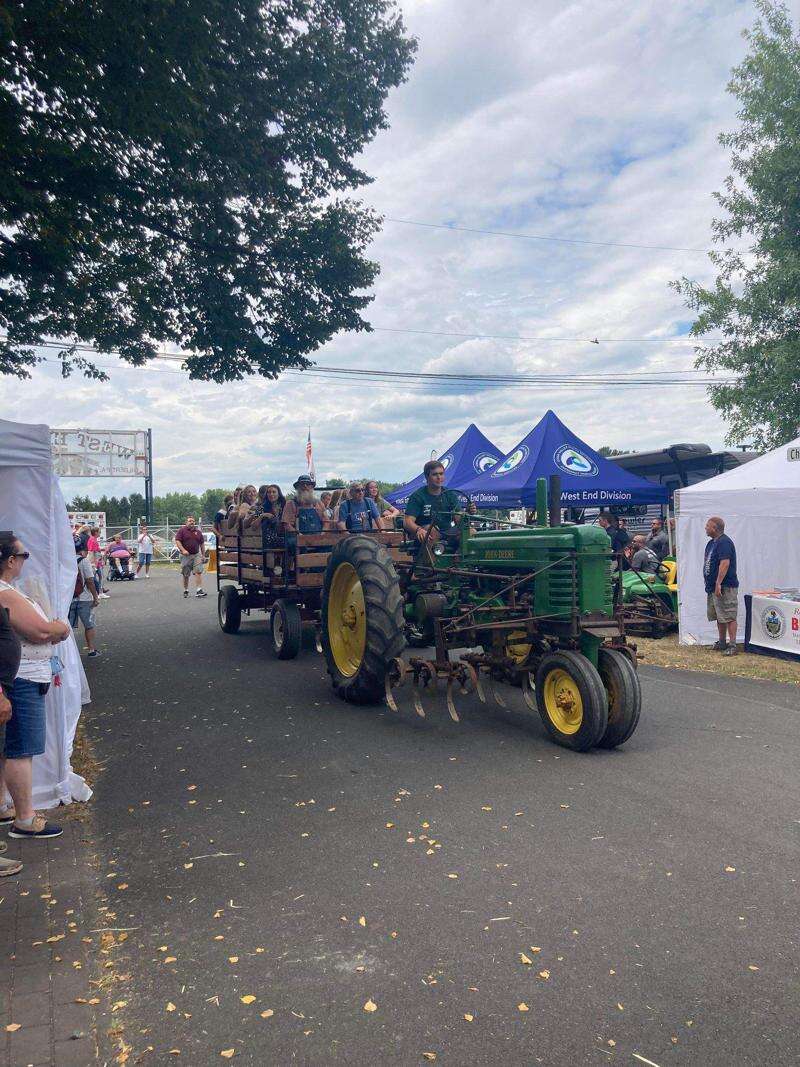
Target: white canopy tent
x,y
32,506
760,504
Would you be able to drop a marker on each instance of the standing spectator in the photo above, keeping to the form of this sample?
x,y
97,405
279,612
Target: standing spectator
x,y
722,584
658,540
84,600
610,523
26,729
96,559
358,513
145,551
190,541
10,654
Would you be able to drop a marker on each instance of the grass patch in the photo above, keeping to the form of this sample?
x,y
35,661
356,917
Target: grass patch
x,y
666,652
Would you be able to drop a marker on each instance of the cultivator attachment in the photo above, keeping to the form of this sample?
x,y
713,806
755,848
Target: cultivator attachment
x,y
475,673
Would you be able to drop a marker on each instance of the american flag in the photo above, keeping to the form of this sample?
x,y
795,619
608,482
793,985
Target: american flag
x,y
310,455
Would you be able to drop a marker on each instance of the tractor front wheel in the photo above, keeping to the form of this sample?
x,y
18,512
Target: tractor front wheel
x,y
571,700
362,618
621,681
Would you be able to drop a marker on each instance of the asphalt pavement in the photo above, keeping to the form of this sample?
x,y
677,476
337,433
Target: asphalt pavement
x,y
306,882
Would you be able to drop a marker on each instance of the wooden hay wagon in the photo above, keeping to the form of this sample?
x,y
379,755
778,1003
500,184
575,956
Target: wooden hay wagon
x,y
284,580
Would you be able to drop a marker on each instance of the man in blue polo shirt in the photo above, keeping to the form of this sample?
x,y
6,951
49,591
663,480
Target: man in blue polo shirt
x,y
722,584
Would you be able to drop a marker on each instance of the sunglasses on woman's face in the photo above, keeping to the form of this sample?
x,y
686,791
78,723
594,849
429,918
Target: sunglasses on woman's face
x,y
21,555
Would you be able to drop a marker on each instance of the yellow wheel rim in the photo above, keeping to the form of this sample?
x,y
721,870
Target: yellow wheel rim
x,y
517,648
347,620
562,701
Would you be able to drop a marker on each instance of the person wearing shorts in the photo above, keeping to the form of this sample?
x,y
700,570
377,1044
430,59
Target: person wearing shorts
x,y
26,730
190,542
722,584
145,551
84,600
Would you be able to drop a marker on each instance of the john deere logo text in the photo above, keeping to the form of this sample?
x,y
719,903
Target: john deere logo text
x,y
519,455
571,461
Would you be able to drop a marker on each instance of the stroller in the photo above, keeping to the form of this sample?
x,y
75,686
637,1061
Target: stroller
x,y
119,567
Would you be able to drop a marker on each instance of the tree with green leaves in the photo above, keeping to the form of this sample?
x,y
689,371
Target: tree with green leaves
x,y
755,303
174,174
211,501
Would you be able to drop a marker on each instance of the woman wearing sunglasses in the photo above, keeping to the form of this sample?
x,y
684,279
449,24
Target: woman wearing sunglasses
x,y
25,730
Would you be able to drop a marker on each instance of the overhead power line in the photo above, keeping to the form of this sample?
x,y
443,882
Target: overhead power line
x,y
551,340
550,237
471,382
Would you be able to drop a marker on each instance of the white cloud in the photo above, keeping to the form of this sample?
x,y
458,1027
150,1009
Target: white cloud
x,y
595,121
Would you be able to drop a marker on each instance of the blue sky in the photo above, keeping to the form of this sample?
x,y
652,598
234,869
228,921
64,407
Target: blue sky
x,y
592,120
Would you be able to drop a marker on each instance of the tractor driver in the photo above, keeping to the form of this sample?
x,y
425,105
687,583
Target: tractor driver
x,y
432,504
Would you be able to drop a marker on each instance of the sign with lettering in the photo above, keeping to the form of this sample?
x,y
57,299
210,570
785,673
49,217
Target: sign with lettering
x,y
100,453
793,454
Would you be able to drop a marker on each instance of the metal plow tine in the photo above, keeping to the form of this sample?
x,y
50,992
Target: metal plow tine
x,y
497,698
417,702
476,681
450,705
391,681
318,640
527,691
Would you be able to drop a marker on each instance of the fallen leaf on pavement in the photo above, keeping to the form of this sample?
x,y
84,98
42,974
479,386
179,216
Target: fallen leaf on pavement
x,y
525,959
544,974
247,999
429,1056
170,1006
233,959
13,1027
227,1053
469,1018
523,1007
170,959
370,1006
267,1014
362,921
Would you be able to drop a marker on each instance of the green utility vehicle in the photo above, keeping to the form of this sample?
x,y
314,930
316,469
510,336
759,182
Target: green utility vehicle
x,y
532,606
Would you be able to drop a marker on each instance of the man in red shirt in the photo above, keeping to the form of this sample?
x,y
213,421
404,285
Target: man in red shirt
x,y
191,542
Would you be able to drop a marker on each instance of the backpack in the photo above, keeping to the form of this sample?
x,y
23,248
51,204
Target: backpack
x,y
80,585
308,521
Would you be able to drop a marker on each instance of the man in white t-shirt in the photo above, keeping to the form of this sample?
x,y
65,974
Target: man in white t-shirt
x,y
84,599
145,551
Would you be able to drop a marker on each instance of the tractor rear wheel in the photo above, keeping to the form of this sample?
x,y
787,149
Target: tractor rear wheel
x,y
362,618
571,699
624,694
229,609
286,629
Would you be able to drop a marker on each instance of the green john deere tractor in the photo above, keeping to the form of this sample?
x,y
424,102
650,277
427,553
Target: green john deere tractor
x,y
531,605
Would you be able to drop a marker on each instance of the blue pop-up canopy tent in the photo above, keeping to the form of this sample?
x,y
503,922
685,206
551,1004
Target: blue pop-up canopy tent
x,y
587,478
473,453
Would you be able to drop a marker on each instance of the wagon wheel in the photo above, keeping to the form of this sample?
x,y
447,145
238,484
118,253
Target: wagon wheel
x,y
286,629
362,618
624,694
229,609
571,700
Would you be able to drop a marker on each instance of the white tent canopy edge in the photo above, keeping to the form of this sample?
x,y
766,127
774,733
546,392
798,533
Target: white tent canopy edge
x,y
32,506
760,505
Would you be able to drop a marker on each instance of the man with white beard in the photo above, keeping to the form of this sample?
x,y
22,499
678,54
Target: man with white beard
x,y
303,512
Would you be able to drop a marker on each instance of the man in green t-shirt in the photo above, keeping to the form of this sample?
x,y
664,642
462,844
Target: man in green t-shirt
x,y
432,503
